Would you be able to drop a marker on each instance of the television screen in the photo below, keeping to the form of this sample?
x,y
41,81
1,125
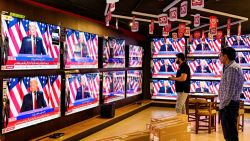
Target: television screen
x,y
240,43
29,44
81,50
82,92
167,48
113,53
135,56
164,68
163,89
204,87
246,74
245,96
113,86
30,100
208,69
205,48
243,58
134,82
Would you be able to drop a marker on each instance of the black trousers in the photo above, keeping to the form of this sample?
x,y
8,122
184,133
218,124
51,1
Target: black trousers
x,y
229,116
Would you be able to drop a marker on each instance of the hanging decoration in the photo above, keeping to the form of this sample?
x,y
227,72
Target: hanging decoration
x,y
163,19
187,32
135,25
191,38
239,29
112,7
181,29
197,34
219,34
151,27
228,26
165,32
116,24
197,4
173,14
213,25
196,20
108,18
183,9
203,36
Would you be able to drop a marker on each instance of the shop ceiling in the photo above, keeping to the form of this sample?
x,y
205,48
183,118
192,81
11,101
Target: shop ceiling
x,y
95,9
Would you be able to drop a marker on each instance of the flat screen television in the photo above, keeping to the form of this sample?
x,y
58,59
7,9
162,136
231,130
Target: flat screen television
x,y
29,44
163,68
204,87
243,58
134,82
163,89
208,47
82,92
135,56
113,86
81,50
205,69
168,48
240,43
113,53
246,74
30,100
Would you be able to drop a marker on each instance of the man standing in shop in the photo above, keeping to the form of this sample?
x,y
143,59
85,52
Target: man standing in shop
x,y
229,93
182,83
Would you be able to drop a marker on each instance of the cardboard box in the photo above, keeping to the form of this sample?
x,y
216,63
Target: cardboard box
x,y
135,136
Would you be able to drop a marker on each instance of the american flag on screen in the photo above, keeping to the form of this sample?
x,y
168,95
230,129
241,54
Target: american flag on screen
x,y
214,45
171,85
19,87
246,75
173,64
230,40
106,48
156,86
73,83
119,84
157,65
194,45
90,40
246,93
157,43
179,44
245,40
119,49
193,64
17,29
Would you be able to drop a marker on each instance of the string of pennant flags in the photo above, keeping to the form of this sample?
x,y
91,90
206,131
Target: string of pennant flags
x,y
165,21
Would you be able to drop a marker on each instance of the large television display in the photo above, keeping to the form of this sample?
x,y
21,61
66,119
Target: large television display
x,y
82,92
113,53
240,43
134,82
81,50
208,47
163,68
135,56
168,48
243,58
113,86
204,87
30,100
163,89
205,69
29,44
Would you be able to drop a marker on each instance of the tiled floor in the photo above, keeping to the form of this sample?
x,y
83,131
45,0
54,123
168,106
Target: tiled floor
x,y
138,122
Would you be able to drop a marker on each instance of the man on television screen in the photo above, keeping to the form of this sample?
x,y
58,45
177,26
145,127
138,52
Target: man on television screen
x,y
165,88
81,49
166,67
32,44
240,58
34,99
202,88
202,68
82,91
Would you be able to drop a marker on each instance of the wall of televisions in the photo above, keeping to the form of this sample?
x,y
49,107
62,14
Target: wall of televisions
x,y
202,57
112,71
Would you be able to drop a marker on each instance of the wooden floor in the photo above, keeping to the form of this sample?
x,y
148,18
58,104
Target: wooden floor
x,y
138,122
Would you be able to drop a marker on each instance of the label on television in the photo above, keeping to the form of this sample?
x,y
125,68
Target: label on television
x,y
29,45
81,50
30,100
167,48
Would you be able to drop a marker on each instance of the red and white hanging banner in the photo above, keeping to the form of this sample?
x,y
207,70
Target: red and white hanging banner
x,y
182,27
173,14
112,7
135,26
191,38
187,32
174,35
213,31
228,32
180,34
219,34
197,4
163,19
203,36
151,27
213,21
108,18
197,34
165,31
196,20
229,23
239,29
183,9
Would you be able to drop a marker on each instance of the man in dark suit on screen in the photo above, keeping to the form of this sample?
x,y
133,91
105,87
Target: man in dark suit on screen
x,y
81,49
34,99
202,68
165,88
32,44
82,91
166,67
240,58
202,88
